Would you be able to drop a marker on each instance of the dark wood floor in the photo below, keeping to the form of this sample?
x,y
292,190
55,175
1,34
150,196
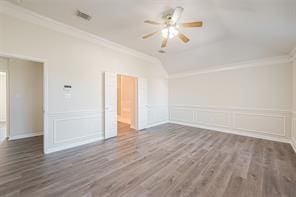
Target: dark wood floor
x,y
168,160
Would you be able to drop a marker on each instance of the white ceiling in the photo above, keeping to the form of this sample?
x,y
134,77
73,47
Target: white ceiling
x,y
233,31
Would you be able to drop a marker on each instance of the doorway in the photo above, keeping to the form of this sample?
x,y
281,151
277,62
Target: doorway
x,y
139,111
22,106
126,104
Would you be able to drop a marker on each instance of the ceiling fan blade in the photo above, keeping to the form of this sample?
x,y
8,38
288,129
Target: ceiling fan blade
x,y
151,34
183,37
164,42
192,24
152,22
176,15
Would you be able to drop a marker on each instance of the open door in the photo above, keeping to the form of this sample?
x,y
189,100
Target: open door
x,y
110,105
142,104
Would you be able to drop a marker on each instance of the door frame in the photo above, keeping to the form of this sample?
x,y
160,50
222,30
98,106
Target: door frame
x,y
136,97
45,92
7,104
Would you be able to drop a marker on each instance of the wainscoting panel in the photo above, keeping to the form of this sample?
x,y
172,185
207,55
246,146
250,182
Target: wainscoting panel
x,y
72,128
157,114
69,129
184,115
262,123
270,124
212,118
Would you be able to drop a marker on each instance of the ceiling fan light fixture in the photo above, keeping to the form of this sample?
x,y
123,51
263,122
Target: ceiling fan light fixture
x,y
169,32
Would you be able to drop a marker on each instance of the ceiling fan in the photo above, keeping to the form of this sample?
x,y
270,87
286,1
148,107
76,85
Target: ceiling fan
x,y
171,27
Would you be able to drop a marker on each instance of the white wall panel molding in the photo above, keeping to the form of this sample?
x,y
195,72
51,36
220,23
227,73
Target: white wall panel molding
x,y
157,114
76,122
263,123
73,128
234,109
32,17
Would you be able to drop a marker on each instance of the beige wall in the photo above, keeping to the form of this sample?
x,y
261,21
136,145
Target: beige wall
x,y
126,98
26,98
252,101
267,87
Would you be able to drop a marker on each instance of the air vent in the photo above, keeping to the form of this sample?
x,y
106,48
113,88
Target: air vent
x,y
83,15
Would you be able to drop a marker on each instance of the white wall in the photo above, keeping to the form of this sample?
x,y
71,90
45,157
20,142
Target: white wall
x,y
26,98
253,101
79,59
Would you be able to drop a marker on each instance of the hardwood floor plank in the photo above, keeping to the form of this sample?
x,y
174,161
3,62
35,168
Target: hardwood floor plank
x,y
167,160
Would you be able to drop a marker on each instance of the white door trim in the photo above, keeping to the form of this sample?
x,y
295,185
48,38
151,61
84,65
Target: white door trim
x,y
135,125
45,91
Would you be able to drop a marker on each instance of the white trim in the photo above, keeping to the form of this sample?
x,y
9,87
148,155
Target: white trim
x,y
266,137
225,109
157,124
72,145
45,91
233,66
13,10
26,135
78,112
22,57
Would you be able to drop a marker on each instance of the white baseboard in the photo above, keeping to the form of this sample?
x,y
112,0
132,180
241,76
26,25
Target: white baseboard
x,y
72,145
158,123
236,132
26,135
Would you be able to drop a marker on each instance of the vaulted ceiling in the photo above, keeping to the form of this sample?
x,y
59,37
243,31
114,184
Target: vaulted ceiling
x,y
233,31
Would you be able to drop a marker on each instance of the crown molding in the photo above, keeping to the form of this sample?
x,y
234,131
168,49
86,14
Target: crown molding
x,y
16,11
239,65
